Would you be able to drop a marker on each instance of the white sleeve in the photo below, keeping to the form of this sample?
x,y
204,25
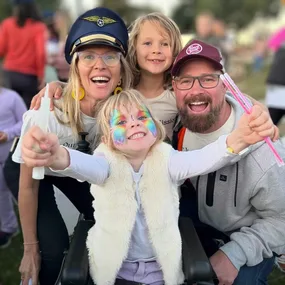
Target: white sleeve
x,y
29,120
85,167
186,164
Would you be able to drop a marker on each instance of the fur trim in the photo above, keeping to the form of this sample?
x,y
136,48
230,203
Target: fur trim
x,y
116,207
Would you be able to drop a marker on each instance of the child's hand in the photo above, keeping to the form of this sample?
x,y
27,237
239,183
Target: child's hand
x,y
252,128
257,125
39,148
55,91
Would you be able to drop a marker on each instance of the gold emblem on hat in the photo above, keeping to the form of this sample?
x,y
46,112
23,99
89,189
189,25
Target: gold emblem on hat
x,y
100,21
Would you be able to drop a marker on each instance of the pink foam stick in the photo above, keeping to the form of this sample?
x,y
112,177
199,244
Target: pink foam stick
x,y
244,104
239,93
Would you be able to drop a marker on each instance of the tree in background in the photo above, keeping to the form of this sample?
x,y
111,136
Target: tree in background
x,y
238,13
128,12
44,5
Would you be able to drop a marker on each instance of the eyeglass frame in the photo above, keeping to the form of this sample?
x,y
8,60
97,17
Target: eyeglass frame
x,y
175,78
97,56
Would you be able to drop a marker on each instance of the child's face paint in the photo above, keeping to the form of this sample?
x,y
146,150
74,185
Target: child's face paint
x,y
120,123
147,120
118,126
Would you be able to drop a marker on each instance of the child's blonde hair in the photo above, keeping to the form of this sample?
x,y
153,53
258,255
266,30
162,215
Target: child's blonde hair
x,y
71,107
172,31
128,99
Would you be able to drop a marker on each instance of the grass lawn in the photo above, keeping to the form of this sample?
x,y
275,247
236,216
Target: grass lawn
x,y
253,84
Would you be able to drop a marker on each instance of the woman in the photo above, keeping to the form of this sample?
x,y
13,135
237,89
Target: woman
x,y
61,24
22,44
95,49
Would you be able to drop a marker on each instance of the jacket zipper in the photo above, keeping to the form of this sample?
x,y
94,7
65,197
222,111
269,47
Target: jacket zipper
x,y
210,189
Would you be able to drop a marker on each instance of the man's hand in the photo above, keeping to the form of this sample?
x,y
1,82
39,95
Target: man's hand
x,y
3,137
224,269
55,92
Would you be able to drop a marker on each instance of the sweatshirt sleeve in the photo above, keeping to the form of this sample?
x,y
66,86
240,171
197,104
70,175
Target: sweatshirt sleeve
x,y
252,244
187,164
86,167
18,108
40,50
3,39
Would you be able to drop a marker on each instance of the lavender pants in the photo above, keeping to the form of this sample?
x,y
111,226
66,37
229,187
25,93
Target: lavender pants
x,y
8,219
142,272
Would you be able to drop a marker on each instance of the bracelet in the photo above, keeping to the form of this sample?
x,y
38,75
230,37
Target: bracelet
x,y
230,150
30,243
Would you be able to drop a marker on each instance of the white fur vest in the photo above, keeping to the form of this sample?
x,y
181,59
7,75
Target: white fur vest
x,y
115,211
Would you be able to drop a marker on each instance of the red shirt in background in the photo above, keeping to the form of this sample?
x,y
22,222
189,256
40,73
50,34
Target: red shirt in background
x,y
23,48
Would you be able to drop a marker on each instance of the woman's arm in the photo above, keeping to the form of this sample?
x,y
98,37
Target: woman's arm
x,y
28,203
28,207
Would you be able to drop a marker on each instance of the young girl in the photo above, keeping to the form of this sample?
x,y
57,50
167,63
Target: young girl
x,y
135,179
154,42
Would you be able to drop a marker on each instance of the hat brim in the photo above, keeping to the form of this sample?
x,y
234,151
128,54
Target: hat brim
x,y
175,70
92,42
100,42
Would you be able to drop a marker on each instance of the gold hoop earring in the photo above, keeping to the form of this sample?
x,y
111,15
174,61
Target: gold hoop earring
x,y
81,94
118,89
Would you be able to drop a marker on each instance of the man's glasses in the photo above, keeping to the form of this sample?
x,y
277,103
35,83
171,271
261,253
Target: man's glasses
x,y
89,58
206,81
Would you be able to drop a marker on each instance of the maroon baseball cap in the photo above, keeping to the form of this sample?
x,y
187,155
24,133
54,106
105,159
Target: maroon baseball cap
x,y
197,49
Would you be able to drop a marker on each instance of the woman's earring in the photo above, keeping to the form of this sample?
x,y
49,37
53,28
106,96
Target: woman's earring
x,y
118,89
81,94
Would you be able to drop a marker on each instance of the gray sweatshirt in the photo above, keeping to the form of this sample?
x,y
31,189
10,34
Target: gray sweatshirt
x,y
248,203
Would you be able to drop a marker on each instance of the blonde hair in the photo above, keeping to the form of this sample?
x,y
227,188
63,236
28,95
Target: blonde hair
x,y
71,107
127,98
172,31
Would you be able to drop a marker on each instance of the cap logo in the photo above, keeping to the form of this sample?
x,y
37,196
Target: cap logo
x,y
100,21
194,49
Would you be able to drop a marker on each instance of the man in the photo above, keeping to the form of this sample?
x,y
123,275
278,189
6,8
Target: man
x,y
241,205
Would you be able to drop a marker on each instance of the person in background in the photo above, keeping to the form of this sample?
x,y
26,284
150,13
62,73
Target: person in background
x,y
224,41
61,23
22,45
275,82
259,52
12,108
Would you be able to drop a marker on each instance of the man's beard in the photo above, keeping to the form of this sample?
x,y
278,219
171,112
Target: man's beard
x,y
199,123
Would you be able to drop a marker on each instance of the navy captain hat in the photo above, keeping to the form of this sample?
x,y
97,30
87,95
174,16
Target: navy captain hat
x,y
99,26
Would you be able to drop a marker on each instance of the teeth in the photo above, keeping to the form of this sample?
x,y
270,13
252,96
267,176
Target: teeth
x,y
197,103
136,136
100,78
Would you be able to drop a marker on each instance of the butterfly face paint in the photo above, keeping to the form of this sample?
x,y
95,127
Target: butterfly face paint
x,y
118,127
147,120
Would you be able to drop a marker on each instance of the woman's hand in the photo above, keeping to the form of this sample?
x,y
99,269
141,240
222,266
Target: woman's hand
x,y
252,128
30,264
55,91
42,149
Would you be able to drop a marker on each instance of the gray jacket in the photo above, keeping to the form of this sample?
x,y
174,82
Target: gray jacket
x,y
247,202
